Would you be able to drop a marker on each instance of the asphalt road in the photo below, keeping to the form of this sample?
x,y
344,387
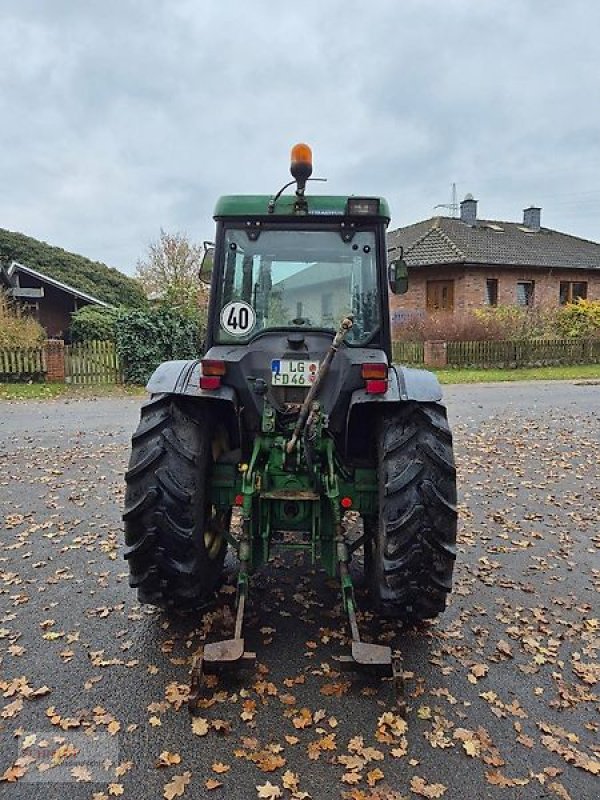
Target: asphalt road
x,y
502,690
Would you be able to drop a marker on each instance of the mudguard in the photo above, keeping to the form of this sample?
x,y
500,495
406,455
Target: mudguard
x,y
404,384
183,377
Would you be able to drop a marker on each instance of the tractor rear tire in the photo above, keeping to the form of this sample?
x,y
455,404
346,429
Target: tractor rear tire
x,y
175,553
414,542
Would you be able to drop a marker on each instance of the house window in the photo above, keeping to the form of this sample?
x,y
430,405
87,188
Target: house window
x,y
491,292
571,291
440,295
525,293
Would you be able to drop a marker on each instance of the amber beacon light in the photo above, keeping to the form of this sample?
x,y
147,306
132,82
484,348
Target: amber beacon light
x,y
301,164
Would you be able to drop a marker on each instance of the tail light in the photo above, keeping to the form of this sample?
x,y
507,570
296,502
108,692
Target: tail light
x,y
210,366
376,370
375,376
376,387
212,372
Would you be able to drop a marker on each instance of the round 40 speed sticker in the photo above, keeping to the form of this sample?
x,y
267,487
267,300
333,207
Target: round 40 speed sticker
x,y
238,318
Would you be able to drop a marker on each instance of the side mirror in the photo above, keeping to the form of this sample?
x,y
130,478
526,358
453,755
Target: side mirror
x,y
398,276
206,265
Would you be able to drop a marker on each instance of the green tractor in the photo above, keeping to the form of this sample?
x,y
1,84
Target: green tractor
x,y
295,415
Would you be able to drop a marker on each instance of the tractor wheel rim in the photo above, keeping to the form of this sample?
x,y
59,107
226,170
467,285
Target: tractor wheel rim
x,y
212,542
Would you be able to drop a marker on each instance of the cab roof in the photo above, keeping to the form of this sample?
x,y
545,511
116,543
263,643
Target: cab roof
x,y
256,205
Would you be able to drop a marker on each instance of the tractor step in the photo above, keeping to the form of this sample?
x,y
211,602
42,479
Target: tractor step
x,y
365,657
223,656
377,659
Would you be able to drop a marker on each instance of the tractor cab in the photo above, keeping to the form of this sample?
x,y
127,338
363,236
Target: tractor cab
x,y
297,263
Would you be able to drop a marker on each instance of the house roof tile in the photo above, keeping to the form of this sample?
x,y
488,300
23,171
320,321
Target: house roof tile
x,y
446,240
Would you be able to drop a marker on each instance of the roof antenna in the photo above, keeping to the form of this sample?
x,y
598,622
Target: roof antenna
x,y
453,205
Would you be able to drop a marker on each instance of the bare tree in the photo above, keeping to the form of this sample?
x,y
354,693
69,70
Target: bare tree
x,y
170,267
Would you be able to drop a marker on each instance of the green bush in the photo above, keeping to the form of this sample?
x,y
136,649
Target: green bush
x,y
94,323
145,339
518,322
580,320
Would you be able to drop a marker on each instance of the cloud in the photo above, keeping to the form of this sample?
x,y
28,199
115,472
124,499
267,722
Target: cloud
x,y
125,117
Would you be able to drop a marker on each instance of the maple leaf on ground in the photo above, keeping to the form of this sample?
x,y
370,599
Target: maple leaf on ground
x,y
177,786
374,776
335,689
268,791
81,774
430,790
395,723
498,779
267,761
167,759
212,783
124,767
303,720
12,774
504,647
220,768
177,694
290,780
221,726
200,726
477,671
115,789
402,749
12,709
559,790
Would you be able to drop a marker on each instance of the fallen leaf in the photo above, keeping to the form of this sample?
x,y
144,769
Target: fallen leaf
x,y
431,790
200,726
374,776
268,791
177,786
167,759
81,774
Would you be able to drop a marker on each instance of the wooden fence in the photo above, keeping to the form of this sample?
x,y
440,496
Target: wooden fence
x,y
533,353
408,352
22,364
97,362
506,354
91,363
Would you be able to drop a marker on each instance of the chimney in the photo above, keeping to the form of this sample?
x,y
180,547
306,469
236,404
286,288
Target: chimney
x,y
468,210
532,217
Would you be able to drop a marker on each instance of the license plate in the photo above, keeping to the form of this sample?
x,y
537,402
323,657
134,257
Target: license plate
x,y
288,372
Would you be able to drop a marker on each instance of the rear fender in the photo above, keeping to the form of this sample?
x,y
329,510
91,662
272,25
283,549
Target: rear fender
x,y
183,377
404,384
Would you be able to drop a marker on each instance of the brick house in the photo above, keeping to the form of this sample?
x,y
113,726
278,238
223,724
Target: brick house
x,y
458,264
49,301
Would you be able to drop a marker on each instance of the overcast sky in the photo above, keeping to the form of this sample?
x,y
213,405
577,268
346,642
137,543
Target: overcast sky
x,y
121,117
